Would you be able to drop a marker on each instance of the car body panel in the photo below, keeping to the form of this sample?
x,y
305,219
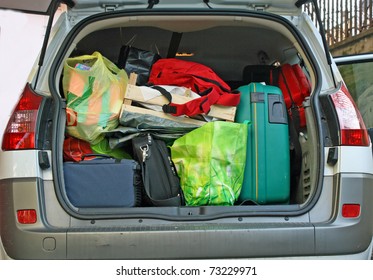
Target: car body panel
x,y
346,162
24,164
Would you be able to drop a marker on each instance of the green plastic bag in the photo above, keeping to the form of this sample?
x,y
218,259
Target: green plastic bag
x,y
103,147
94,88
210,162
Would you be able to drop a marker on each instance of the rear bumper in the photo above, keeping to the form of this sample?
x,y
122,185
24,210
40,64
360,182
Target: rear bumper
x,y
341,235
242,237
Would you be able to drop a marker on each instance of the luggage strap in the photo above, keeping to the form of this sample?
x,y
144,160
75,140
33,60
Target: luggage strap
x,y
202,104
294,129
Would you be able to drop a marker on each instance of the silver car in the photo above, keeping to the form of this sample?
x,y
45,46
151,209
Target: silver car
x,y
330,213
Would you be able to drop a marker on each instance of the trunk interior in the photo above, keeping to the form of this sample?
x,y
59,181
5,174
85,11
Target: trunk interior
x,y
226,44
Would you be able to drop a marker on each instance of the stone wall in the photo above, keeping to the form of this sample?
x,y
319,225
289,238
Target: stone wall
x,y
362,43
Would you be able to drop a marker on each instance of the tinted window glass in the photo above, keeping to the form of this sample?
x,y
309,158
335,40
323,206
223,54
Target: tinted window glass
x,y
359,80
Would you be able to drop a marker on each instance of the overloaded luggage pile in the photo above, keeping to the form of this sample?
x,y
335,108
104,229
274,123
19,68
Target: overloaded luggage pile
x,y
152,131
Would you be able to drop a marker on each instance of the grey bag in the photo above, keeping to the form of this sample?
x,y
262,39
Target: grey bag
x,y
134,124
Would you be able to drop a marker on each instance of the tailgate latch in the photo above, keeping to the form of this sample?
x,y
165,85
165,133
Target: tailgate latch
x,y
260,8
110,7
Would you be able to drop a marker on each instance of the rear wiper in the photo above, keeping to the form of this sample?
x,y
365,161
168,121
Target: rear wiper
x,y
207,3
300,3
152,3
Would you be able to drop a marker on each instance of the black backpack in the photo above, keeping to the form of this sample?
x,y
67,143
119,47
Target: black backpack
x,y
161,183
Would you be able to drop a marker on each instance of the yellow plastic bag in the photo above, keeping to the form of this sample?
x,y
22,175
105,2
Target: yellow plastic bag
x,y
94,88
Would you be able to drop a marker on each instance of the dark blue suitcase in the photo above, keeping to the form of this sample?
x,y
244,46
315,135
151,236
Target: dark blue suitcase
x,y
103,183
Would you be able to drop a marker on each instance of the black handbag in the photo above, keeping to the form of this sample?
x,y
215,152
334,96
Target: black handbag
x,y
160,179
135,60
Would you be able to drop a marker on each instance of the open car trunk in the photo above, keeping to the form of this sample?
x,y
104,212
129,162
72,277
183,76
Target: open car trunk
x,y
226,43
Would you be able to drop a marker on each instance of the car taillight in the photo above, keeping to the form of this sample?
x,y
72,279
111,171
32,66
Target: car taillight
x,y
352,128
20,131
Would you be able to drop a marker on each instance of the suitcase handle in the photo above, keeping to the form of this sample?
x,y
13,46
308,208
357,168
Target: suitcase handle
x,y
96,155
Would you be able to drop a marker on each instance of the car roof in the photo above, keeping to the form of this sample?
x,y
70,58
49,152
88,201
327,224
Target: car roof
x,y
355,58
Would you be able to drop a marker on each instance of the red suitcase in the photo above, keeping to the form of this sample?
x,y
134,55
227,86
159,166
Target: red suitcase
x,y
291,79
295,88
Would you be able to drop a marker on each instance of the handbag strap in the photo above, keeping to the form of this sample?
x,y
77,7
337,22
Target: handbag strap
x,y
172,201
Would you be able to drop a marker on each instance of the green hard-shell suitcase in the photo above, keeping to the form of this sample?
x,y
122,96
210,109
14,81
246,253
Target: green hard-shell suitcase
x,y
267,171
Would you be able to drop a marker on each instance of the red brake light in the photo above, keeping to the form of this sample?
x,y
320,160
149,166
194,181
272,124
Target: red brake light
x,y
351,210
26,216
20,131
352,128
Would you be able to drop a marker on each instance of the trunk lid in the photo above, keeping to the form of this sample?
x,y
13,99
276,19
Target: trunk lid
x,y
284,7
34,7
